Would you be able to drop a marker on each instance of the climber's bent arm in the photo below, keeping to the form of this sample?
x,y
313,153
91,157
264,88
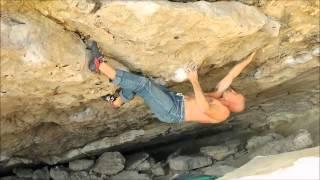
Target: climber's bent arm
x,y
199,96
215,110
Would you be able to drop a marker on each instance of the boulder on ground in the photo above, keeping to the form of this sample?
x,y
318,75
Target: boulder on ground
x,y
189,162
57,173
41,174
157,169
79,175
218,152
82,164
217,170
257,141
138,162
109,163
130,175
83,175
300,140
23,172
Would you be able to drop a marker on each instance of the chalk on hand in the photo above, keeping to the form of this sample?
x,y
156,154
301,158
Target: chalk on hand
x,y
180,75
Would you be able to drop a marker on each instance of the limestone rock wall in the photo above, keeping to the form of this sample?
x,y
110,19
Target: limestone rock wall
x,y
50,104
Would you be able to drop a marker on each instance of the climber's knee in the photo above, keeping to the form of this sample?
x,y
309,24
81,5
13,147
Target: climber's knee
x,y
143,84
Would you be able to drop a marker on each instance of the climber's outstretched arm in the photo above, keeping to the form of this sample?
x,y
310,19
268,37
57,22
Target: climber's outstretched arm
x,y
237,69
233,73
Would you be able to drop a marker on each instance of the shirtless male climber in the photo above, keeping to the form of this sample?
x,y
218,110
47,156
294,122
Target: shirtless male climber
x,y
169,106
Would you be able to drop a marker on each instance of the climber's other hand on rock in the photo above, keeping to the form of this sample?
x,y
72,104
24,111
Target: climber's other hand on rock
x,y
191,70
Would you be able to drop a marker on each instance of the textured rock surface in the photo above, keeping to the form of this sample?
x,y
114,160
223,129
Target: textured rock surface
x,y
188,162
157,170
82,164
23,172
138,162
217,170
218,152
109,163
133,175
49,100
83,175
59,174
41,174
302,139
258,141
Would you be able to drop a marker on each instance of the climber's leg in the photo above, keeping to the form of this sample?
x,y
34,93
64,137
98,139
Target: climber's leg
x,y
164,103
126,95
119,97
107,70
167,105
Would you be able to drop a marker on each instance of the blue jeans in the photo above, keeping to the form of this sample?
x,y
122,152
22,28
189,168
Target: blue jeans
x,y
168,106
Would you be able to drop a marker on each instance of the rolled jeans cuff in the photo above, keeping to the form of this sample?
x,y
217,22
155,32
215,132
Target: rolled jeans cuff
x,y
123,97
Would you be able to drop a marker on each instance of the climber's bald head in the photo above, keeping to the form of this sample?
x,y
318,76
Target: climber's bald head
x,y
233,100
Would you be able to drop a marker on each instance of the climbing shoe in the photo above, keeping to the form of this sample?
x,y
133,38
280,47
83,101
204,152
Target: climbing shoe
x,y
94,57
110,98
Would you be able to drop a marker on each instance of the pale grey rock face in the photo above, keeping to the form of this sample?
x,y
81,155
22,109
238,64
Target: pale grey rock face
x,y
157,169
131,175
80,175
16,161
143,166
57,173
257,141
83,175
189,162
41,174
82,164
316,51
110,163
301,139
23,172
138,162
97,146
11,178
218,152
217,170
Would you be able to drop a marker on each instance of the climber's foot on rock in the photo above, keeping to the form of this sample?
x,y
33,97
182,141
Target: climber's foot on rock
x,y
113,99
95,57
